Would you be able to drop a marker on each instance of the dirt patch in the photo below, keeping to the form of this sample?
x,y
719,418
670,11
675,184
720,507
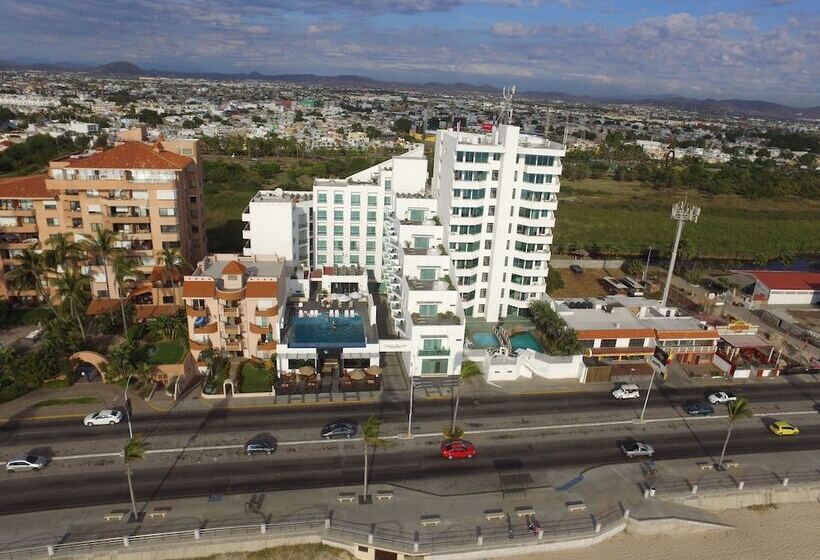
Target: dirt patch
x,y
583,285
295,552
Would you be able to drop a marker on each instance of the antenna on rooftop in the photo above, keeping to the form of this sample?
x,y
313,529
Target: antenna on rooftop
x,y
682,212
505,116
566,130
547,126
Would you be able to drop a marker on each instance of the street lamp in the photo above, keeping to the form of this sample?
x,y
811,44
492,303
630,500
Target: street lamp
x,y
424,384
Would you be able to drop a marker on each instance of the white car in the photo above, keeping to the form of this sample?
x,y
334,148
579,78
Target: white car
x,y
103,417
26,463
628,391
637,449
721,397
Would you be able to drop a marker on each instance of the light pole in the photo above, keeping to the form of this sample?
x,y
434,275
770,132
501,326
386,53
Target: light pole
x,y
682,212
646,266
128,406
646,400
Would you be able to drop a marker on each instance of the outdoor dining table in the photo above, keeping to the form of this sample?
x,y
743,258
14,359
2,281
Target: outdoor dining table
x,y
307,371
375,371
357,375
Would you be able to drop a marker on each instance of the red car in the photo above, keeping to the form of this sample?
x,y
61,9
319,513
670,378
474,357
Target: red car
x,y
457,449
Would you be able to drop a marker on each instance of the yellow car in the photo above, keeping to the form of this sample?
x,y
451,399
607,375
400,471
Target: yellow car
x,y
781,428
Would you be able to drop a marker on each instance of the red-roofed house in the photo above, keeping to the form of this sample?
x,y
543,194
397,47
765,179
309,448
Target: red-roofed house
x,y
786,287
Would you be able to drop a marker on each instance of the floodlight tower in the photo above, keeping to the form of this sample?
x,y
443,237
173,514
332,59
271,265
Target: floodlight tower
x,y
682,212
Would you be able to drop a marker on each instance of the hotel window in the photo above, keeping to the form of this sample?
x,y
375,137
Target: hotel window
x,y
371,216
321,198
420,242
338,215
354,245
338,230
355,216
495,175
636,342
371,231
417,214
338,259
434,366
355,199
387,184
372,200
321,259
321,245
52,221
321,230
370,260
428,309
496,156
167,212
371,246
338,198
428,273
338,245
321,215
608,343
354,259
354,230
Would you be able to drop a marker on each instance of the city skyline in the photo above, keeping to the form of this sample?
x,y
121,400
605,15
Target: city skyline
x,y
750,49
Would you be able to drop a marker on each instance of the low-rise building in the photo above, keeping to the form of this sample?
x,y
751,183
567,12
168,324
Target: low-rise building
x,y
786,287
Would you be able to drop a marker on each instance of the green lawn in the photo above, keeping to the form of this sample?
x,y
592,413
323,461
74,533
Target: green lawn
x,y
166,352
68,401
628,217
255,379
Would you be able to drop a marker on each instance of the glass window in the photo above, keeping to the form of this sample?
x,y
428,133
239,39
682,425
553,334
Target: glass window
x,y
371,231
338,259
636,342
354,230
417,214
371,245
428,273
421,242
355,199
338,215
355,216
372,200
354,245
338,245
338,198
321,244
608,343
370,260
321,230
321,215
321,258
338,230
428,309
434,366
371,216
321,197
354,259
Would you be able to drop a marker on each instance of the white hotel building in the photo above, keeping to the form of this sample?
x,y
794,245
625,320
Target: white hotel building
x,y
497,196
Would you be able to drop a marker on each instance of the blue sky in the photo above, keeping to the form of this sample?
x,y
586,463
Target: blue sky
x,y
750,49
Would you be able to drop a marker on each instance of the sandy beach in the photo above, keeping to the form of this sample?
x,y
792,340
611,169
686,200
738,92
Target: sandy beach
x,y
789,531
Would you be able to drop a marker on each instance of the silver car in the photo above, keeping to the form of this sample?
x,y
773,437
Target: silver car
x,y
637,449
26,463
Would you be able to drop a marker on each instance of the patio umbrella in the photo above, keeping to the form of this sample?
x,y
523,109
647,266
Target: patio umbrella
x,y
374,370
355,295
306,371
342,298
357,375
333,296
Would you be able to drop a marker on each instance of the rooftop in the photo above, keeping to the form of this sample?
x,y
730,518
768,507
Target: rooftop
x,y
215,266
620,318
33,186
280,196
789,280
129,155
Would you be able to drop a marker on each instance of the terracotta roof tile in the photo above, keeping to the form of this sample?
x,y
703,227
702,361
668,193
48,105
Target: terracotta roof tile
x,y
102,306
234,267
789,280
199,288
32,186
262,289
131,155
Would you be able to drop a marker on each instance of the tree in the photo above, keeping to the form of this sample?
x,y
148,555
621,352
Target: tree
x,y
469,370
786,259
371,437
736,410
173,265
72,288
402,125
150,117
558,338
133,451
167,327
103,246
632,267
124,269
63,251
31,273
554,280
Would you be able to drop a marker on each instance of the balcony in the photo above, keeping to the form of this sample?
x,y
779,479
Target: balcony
x,y
448,318
269,312
233,329
196,311
231,311
197,346
435,352
206,329
257,329
441,285
266,345
233,345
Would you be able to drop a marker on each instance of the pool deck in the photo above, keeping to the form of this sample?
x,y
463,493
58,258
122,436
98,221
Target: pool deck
x,y
371,334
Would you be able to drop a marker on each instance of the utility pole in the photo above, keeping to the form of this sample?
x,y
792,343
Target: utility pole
x,y
682,212
646,267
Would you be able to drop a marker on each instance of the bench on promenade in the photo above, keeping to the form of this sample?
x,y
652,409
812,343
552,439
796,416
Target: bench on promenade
x,y
731,464
577,505
116,515
524,511
706,466
159,512
384,495
494,514
347,497
430,520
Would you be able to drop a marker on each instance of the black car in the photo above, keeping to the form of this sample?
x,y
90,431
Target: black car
x,y
576,268
698,408
340,429
259,446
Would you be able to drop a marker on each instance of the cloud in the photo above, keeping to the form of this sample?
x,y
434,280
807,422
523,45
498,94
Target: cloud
x,y
512,29
323,28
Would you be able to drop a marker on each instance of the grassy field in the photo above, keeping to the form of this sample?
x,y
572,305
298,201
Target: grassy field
x,y
255,379
630,217
167,352
68,401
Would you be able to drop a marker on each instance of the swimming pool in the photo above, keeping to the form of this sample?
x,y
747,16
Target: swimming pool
x,y
485,340
525,340
326,332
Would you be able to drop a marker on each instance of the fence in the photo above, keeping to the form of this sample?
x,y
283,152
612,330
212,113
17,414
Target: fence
x,y
726,482
343,532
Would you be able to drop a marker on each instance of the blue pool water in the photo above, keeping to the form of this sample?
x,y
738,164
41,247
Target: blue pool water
x,y
326,332
525,340
485,340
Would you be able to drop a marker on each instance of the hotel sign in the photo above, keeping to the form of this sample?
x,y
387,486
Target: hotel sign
x,y
659,360
395,345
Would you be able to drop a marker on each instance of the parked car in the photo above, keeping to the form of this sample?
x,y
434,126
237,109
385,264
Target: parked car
x,y
576,268
340,429
698,408
637,449
103,417
781,428
260,446
26,463
457,449
627,391
721,397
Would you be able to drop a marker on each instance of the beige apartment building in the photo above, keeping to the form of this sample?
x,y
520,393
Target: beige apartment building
x,y
149,193
232,303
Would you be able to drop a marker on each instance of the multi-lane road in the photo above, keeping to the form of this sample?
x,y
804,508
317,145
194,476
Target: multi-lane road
x,y
537,434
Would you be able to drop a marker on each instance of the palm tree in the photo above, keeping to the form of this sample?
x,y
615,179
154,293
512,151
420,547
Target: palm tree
x,y
72,287
63,250
737,410
124,269
167,327
469,370
103,246
133,451
31,273
371,438
174,263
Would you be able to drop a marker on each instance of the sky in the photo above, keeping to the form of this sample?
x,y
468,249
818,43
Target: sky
x,y
739,49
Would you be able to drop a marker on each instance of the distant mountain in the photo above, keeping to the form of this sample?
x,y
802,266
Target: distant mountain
x,y
120,68
705,106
